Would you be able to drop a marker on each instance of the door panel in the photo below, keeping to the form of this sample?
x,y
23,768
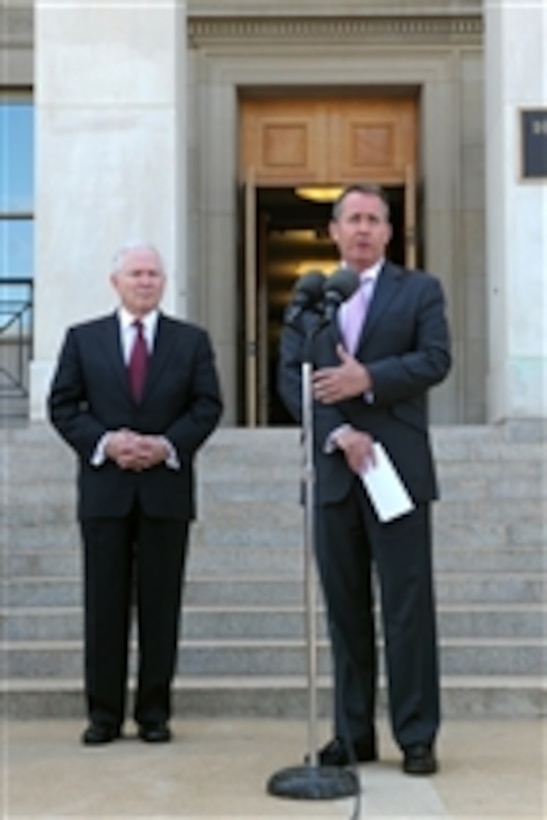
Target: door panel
x,y
410,217
296,141
250,302
372,141
284,140
263,296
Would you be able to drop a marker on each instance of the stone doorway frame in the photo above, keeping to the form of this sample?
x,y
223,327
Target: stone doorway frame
x,y
216,76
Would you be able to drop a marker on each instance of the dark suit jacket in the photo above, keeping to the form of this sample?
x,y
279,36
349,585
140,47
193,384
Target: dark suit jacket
x,y
90,395
405,346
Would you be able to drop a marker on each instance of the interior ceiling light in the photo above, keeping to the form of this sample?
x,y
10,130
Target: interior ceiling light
x,y
320,193
326,266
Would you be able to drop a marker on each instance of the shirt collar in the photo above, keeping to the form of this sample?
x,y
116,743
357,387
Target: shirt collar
x,y
149,320
372,272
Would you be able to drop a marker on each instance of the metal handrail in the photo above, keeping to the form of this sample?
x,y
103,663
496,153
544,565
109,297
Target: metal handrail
x,y
16,342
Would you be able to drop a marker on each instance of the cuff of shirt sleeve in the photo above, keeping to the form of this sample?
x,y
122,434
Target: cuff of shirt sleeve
x,y
172,460
99,454
331,444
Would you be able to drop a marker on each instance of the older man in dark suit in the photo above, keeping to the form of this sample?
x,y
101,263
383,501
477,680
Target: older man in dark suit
x,y
373,367
135,394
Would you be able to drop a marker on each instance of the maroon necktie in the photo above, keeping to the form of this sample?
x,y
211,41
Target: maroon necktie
x,y
138,361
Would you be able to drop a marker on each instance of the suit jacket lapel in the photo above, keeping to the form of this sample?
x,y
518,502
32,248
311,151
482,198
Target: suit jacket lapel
x,y
334,328
112,346
160,354
384,291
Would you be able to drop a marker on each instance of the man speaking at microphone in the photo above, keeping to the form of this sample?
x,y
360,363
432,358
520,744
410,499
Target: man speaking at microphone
x,y
374,362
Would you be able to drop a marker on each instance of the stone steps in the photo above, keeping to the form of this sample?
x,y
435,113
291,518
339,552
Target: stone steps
x,y
463,697
243,560
280,656
469,587
509,621
242,647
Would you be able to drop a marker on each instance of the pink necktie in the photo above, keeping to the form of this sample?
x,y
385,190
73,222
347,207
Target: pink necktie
x,y
138,361
354,314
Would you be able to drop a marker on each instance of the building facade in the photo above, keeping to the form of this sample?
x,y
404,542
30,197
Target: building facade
x,y
197,124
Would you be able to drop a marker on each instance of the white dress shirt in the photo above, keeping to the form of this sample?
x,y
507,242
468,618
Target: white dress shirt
x,y
128,332
368,273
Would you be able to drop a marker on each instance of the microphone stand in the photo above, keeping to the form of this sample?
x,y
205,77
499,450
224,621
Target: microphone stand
x,y
311,781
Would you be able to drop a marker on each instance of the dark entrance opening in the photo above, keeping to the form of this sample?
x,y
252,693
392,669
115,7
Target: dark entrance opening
x,y
295,240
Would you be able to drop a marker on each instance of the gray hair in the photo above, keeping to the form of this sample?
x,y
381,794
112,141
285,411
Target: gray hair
x,y
134,245
368,189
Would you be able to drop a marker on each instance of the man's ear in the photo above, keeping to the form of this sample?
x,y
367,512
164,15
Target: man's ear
x,y
333,230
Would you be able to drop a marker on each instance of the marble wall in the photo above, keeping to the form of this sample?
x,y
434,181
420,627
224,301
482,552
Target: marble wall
x,y
110,158
516,79
116,158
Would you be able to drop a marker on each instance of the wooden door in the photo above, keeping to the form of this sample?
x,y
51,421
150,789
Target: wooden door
x,y
285,143
250,302
372,141
410,217
323,141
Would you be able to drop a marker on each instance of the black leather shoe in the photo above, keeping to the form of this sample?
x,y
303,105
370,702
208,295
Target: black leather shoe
x,y
419,760
155,733
336,753
98,734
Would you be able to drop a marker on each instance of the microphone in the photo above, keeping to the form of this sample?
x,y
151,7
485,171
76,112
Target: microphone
x,y
307,292
337,288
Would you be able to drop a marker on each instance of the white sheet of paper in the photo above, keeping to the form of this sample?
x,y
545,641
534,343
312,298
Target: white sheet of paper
x,y
385,489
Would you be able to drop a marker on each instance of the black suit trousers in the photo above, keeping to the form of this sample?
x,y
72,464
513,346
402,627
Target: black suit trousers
x,y
350,544
132,563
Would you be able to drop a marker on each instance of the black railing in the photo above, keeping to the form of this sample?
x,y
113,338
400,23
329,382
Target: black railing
x,y
16,334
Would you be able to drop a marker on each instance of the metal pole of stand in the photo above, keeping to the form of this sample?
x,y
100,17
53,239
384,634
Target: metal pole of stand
x,y
311,781
309,541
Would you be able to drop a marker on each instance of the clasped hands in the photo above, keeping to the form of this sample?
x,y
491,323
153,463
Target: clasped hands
x,y
333,384
134,451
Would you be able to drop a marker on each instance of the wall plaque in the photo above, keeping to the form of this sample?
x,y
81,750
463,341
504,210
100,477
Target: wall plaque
x,y
533,123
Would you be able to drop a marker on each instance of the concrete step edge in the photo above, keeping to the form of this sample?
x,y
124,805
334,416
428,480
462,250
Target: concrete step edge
x,y
273,643
69,552
264,609
246,682
478,574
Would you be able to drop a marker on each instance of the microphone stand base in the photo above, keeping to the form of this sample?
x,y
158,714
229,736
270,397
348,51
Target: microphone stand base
x,y
314,783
